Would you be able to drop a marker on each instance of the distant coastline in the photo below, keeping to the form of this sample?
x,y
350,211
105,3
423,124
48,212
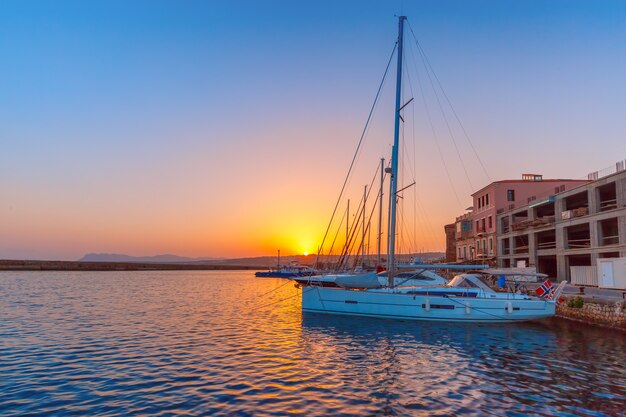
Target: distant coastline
x,y
118,262
33,265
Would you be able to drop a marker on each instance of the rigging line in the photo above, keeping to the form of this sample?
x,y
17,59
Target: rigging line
x,y
283,299
458,119
332,246
361,211
413,141
345,254
277,288
370,189
412,168
369,219
425,222
403,235
434,132
445,118
357,149
418,210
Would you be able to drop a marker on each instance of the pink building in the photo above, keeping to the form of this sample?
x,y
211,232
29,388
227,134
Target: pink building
x,y
476,230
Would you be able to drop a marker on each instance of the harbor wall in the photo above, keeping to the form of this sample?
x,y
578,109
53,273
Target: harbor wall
x,y
597,312
28,265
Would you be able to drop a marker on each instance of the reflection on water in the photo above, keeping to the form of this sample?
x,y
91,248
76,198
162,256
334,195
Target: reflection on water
x,y
224,343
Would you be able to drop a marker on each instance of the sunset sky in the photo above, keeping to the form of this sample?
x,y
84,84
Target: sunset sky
x,y
225,128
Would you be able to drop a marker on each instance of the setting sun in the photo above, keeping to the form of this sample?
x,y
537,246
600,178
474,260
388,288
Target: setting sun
x,y
306,253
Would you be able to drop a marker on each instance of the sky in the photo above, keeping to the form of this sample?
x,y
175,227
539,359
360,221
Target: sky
x,y
226,128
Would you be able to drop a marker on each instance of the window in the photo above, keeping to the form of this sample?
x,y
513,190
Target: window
x,y
487,199
478,246
483,222
490,223
477,225
464,252
490,245
459,253
510,195
485,245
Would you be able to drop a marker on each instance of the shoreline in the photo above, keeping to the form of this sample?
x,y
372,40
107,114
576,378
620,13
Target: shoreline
x,y
33,265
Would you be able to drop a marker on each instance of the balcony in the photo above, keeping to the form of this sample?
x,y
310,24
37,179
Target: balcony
x,y
538,222
608,232
521,245
607,197
578,237
546,240
576,205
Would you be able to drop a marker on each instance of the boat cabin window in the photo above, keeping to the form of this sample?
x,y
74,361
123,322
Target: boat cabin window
x,y
408,275
462,283
468,281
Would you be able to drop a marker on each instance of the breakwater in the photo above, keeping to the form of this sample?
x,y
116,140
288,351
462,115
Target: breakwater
x,y
28,265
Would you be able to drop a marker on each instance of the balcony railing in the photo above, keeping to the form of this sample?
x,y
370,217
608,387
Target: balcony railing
x,y
609,240
521,249
608,205
546,245
579,243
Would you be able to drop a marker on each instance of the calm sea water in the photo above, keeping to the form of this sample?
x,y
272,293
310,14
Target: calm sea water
x,y
210,343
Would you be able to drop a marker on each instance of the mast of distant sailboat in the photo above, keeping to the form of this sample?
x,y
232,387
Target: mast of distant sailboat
x,y
380,209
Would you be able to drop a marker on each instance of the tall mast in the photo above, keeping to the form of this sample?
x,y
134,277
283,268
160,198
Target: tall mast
x,y
380,209
393,183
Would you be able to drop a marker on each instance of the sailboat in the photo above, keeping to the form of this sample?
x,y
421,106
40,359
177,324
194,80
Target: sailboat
x,y
466,298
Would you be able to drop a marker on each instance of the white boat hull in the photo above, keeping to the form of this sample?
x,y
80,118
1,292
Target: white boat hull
x,y
399,305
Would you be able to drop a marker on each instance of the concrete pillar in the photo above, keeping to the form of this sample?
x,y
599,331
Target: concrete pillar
x,y
620,191
592,199
532,249
559,207
562,270
594,233
621,226
561,262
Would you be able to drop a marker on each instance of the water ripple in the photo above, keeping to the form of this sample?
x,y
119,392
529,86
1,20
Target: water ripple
x,y
205,343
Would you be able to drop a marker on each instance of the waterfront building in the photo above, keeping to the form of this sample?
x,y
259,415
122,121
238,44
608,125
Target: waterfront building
x,y
450,242
476,230
565,233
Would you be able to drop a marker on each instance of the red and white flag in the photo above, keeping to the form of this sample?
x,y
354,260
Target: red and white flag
x,y
546,290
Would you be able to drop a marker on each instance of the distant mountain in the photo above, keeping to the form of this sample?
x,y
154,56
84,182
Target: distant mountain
x,y
266,261
163,259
